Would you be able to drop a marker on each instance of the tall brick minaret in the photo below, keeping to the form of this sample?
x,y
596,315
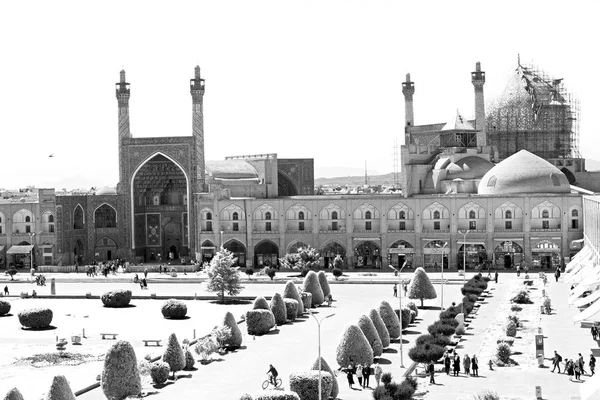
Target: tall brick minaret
x,y
478,80
123,100
197,91
408,89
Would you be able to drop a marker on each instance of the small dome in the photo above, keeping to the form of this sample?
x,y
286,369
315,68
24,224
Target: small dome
x,y
106,190
231,169
470,167
524,172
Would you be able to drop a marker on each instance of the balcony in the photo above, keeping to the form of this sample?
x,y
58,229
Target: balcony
x,y
546,230
265,232
436,230
519,230
400,231
340,231
297,231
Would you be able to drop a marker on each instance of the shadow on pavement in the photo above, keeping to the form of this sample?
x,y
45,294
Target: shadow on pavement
x,y
407,332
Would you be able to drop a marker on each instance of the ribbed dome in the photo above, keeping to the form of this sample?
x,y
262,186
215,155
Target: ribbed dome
x,y
231,169
106,190
524,172
470,167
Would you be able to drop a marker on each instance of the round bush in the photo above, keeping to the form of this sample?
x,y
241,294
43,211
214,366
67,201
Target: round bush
x,y
468,289
405,316
189,360
426,353
514,318
522,297
468,307
413,307
291,292
335,389
260,303
4,307
311,285
120,376
306,385
503,352
246,396
471,297
511,329
13,394
382,331
271,272
60,389
235,341
306,300
441,341
291,309
413,316
449,321
36,318
438,328
450,312
278,309
116,298
337,272
259,322
159,372
275,395
354,346
174,309
516,308
390,319
324,284
366,326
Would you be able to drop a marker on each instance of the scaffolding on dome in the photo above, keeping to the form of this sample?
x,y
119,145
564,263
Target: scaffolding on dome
x,y
535,113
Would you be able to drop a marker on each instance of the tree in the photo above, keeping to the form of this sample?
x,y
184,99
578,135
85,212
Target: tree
x,y
324,284
354,347
60,389
174,355
291,292
235,341
12,272
335,390
366,325
309,257
313,286
249,271
13,394
223,277
420,286
120,376
291,261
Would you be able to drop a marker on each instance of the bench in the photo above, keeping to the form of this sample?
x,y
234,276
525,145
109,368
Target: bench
x,y
151,341
104,335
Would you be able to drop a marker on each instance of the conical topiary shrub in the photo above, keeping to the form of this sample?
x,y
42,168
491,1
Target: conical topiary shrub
x,y
60,389
120,376
312,286
13,394
291,309
324,284
174,355
235,341
366,326
291,292
335,389
354,347
382,331
278,309
420,286
306,385
390,319
260,303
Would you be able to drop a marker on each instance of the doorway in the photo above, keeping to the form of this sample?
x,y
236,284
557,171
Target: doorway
x,y
507,261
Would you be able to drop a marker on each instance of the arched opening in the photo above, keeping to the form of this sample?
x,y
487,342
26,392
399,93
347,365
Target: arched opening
x,y
293,247
285,186
238,250
367,255
105,249
476,256
79,252
330,251
546,255
105,216
207,251
508,254
400,252
78,217
435,254
266,254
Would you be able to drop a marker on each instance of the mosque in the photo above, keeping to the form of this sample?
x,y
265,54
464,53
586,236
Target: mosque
x,y
502,189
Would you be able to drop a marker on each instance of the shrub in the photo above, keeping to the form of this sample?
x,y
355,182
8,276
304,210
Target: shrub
x,y
450,312
471,298
223,275
366,326
503,352
382,331
205,347
120,375
221,334
260,303
460,331
547,305
324,284
426,353
304,271
249,271
354,346
4,307
12,272
514,318
306,300
291,309
439,328
189,360
259,322
487,394
516,308
306,385
312,286
36,318
271,272
405,316
13,394
335,389
413,307
449,321
522,297
173,355
291,292
337,273
246,396
420,286
441,341
386,378
235,340
275,395
278,309
473,290
60,389
511,329
468,307
116,298
405,390
413,316
390,319
174,309
159,372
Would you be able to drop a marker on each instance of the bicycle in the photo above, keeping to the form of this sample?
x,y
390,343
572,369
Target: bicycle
x,y
268,382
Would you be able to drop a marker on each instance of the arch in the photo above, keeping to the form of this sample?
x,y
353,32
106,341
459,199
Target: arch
x,y
545,208
574,213
21,215
295,245
367,214
235,216
547,244
436,214
47,217
368,254
300,214
430,211
206,214
266,253
508,246
436,244
294,211
105,216
207,243
78,217
286,185
106,242
334,215
472,214
508,214
401,244
545,214
326,212
402,214
234,246
400,211
333,247
364,210
261,212
515,211
232,210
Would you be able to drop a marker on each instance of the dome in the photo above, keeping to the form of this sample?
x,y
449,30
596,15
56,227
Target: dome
x,y
231,169
524,172
470,167
106,190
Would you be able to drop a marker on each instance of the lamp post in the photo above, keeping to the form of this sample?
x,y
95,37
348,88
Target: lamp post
x,y
31,235
319,329
221,238
400,309
462,305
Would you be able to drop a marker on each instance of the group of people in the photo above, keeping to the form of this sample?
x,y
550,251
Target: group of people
x,y
363,372
470,364
574,367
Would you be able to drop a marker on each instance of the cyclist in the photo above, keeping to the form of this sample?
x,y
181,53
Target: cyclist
x,y
272,372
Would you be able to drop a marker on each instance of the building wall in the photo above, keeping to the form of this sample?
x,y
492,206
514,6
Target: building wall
x,y
591,212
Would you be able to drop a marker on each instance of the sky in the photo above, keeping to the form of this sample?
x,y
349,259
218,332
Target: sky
x,y
303,79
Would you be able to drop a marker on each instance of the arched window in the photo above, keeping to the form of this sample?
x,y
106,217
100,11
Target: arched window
x,y
27,218
301,215
492,181
545,214
436,215
209,215
574,213
401,215
508,214
472,214
235,216
78,218
105,217
50,218
368,215
267,215
334,215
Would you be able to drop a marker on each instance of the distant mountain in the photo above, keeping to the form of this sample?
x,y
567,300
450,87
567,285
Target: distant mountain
x,y
374,180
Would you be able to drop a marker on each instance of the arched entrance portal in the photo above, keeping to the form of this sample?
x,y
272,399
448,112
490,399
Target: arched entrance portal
x,y
330,251
545,255
207,250
508,254
105,249
173,240
238,250
399,252
435,254
367,254
475,256
78,252
266,254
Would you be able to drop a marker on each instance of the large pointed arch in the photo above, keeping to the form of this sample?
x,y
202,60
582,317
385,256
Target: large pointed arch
x,y
286,185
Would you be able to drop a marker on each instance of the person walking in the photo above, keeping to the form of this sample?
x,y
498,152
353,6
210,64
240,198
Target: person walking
x,y
556,361
456,364
592,364
6,290
475,365
496,277
518,270
594,332
447,363
580,364
145,272
467,364
377,371
349,375
395,290
431,370
359,375
577,371
570,368
557,274
366,373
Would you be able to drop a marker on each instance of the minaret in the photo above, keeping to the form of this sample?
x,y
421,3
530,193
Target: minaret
x,y
408,89
123,99
197,91
478,80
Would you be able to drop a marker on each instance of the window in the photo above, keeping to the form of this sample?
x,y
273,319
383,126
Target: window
x,y
402,226
105,217
0,230
300,226
436,215
28,219
51,228
574,213
78,218
301,215
334,225
368,225
545,225
401,215
545,214
208,215
507,224
236,227
436,225
27,228
209,226
492,181
334,215
0,220
508,214
50,218
267,215
267,226
368,215
472,214
235,216
574,224
473,225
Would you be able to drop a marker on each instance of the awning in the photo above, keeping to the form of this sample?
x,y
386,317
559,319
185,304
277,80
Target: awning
x,y
577,241
587,269
583,255
587,300
20,249
590,389
588,284
592,313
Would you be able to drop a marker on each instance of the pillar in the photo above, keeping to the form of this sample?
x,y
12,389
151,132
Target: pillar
x,y
123,93
408,89
478,80
197,92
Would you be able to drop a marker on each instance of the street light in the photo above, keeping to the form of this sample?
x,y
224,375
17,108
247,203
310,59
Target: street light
x,y
31,235
462,305
400,309
319,329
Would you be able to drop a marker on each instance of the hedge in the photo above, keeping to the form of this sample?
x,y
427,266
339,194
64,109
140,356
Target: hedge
x,y
235,341
413,316
4,307
159,372
306,384
120,375
450,312
335,389
438,328
60,389
406,316
426,353
382,331
260,303
278,309
503,352
390,319
306,300
311,285
449,321
354,347
291,292
275,395
36,318
13,394
291,309
324,284
116,298
259,322
439,340
413,307
469,289
366,326
174,309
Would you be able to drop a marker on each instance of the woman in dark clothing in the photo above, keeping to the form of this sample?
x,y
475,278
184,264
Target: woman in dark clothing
x,y
349,375
447,363
456,365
